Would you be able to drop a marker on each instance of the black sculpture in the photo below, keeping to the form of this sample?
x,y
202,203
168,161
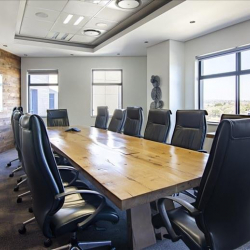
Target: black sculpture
x,y
156,93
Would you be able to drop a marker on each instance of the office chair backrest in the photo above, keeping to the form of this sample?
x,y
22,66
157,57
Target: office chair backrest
x,y
57,118
102,117
190,129
44,179
158,125
223,196
16,117
117,121
133,122
232,116
12,120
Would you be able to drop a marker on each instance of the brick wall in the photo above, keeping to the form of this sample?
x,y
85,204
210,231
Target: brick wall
x,y
10,69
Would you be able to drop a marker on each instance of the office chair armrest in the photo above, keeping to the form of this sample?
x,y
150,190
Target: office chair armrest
x,y
87,221
202,151
190,208
71,169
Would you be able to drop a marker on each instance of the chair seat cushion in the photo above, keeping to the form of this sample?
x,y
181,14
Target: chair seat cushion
x,y
184,224
76,209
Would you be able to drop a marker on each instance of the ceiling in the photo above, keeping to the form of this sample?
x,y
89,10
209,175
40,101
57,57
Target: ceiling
x,y
125,33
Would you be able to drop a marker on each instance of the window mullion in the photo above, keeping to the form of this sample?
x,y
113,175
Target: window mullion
x,y
237,82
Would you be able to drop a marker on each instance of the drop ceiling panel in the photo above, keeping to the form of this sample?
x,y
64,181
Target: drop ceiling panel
x,y
83,39
113,15
34,24
82,8
69,27
33,32
57,5
30,12
95,21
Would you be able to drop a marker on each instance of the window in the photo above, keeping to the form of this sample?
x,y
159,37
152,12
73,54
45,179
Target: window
x,y
224,84
43,91
106,90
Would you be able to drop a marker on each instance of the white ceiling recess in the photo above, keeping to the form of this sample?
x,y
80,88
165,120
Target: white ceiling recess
x,y
172,21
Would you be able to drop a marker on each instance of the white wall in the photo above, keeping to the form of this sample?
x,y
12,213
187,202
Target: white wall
x,y
234,36
167,61
75,82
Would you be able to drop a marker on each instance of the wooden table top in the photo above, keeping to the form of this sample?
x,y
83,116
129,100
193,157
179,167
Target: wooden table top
x,y
130,171
210,135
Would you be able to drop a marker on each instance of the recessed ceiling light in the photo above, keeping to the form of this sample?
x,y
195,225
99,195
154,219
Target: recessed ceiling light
x,y
146,42
96,1
25,54
192,21
55,35
92,32
67,19
128,4
5,45
41,14
78,20
101,25
71,54
118,54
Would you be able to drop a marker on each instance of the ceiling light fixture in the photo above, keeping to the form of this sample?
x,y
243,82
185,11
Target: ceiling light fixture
x,y
71,54
92,32
25,54
101,25
96,1
78,20
64,36
68,18
55,35
192,21
118,54
41,14
128,4
5,45
146,42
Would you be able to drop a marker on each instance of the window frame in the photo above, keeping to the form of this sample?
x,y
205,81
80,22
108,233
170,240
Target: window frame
x,y
43,72
105,84
237,73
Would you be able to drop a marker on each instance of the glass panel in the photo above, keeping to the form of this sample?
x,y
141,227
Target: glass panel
x,y
216,65
1,93
108,76
245,95
39,99
245,60
106,96
44,79
219,97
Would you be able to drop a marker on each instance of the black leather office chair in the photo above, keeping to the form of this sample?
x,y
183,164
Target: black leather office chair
x,y
117,121
133,122
53,214
12,126
190,129
57,118
219,218
158,125
232,116
102,117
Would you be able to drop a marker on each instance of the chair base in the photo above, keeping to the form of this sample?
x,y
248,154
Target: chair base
x,y
77,245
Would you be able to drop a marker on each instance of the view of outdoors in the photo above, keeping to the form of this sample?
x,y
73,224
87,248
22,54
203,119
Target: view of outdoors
x,y
107,90
1,92
218,94
43,96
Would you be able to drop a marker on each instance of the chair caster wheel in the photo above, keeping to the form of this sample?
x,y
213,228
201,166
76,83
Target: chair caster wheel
x,y
19,200
11,175
16,188
30,210
22,230
8,165
47,243
19,180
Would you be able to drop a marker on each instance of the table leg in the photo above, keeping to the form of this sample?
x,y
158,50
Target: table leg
x,y
140,228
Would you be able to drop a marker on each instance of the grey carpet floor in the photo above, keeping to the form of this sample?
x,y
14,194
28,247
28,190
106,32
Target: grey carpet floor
x,y
13,214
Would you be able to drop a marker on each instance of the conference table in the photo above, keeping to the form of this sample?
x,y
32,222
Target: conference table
x,y
131,172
